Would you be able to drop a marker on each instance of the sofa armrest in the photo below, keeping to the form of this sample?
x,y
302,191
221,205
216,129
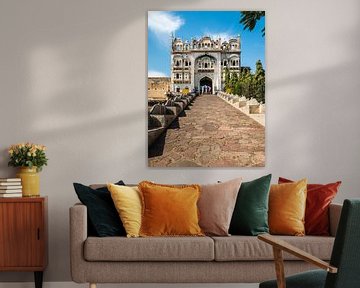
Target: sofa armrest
x,y
78,235
334,216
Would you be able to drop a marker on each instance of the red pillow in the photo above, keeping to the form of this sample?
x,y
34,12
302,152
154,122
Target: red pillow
x,y
319,197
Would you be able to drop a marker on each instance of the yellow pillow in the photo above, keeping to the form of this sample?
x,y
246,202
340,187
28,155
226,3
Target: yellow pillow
x,y
127,201
169,210
287,204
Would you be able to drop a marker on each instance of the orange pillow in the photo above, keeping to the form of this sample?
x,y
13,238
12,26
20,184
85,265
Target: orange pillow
x,y
287,204
169,210
318,200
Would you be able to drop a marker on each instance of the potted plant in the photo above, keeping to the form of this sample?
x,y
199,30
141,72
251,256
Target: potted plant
x,y
30,158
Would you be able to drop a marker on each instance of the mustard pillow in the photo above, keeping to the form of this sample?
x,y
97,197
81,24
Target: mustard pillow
x,y
127,201
169,210
287,204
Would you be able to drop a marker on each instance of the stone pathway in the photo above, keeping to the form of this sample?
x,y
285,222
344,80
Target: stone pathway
x,y
210,133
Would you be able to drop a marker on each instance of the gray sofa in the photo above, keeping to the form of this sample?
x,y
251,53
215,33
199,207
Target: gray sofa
x,y
234,259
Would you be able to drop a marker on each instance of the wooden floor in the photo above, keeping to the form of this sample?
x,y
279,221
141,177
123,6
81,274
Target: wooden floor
x,y
74,285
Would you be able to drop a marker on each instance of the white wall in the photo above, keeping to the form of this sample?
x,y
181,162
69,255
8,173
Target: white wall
x,y
73,77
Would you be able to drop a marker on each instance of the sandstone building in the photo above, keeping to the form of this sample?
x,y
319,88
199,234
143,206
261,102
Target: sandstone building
x,y
200,64
158,87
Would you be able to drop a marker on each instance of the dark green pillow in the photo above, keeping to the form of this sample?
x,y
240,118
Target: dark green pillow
x,y
103,218
250,216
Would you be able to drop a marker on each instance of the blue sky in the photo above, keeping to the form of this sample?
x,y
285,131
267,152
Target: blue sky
x,y
189,24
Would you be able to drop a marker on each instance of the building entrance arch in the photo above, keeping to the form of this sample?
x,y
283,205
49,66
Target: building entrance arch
x,y
206,85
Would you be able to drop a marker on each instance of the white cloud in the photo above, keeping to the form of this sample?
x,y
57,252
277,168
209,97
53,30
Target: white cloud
x,y
153,73
163,24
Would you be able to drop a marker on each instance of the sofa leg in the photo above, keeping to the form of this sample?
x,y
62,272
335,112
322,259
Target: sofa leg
x,y
92,285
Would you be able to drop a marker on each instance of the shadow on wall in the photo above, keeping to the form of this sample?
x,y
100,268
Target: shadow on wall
x,y
315,113
66,77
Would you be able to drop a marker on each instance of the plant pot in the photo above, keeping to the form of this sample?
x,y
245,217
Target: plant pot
x,y
30,181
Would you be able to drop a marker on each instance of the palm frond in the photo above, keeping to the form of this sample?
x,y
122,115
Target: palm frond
x,y
250,18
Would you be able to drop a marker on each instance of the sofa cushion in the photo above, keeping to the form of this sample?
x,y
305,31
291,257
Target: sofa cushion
x,y
149,249
287,204
318,199
102,216
169,210
216,206
127,201
250,215
244,248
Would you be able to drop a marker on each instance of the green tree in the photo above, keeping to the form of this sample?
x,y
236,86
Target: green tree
x,y
247,84
234,79
250,18
227,79
237,87
259,82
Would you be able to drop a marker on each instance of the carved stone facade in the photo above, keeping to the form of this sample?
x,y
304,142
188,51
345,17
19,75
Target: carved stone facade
x,y
200,64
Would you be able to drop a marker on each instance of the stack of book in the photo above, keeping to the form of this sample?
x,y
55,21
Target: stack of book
x,y
10,187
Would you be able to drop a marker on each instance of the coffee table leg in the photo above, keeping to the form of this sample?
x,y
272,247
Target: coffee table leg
x,y
38,279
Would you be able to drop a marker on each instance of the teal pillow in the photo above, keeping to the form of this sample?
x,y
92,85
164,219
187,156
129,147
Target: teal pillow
x,y
250,216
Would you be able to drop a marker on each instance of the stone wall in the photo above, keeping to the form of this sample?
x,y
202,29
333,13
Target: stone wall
x,y
250,107
161,116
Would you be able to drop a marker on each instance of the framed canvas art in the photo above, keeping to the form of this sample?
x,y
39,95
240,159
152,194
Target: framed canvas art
x,y
206,88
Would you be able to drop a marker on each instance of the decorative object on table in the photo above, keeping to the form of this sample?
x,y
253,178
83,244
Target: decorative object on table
x,y
30,158
10,187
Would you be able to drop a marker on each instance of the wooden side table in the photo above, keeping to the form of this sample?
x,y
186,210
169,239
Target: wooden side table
x,y
23,235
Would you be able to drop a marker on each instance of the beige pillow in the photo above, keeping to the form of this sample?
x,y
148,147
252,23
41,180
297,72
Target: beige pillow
x,y
216,206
